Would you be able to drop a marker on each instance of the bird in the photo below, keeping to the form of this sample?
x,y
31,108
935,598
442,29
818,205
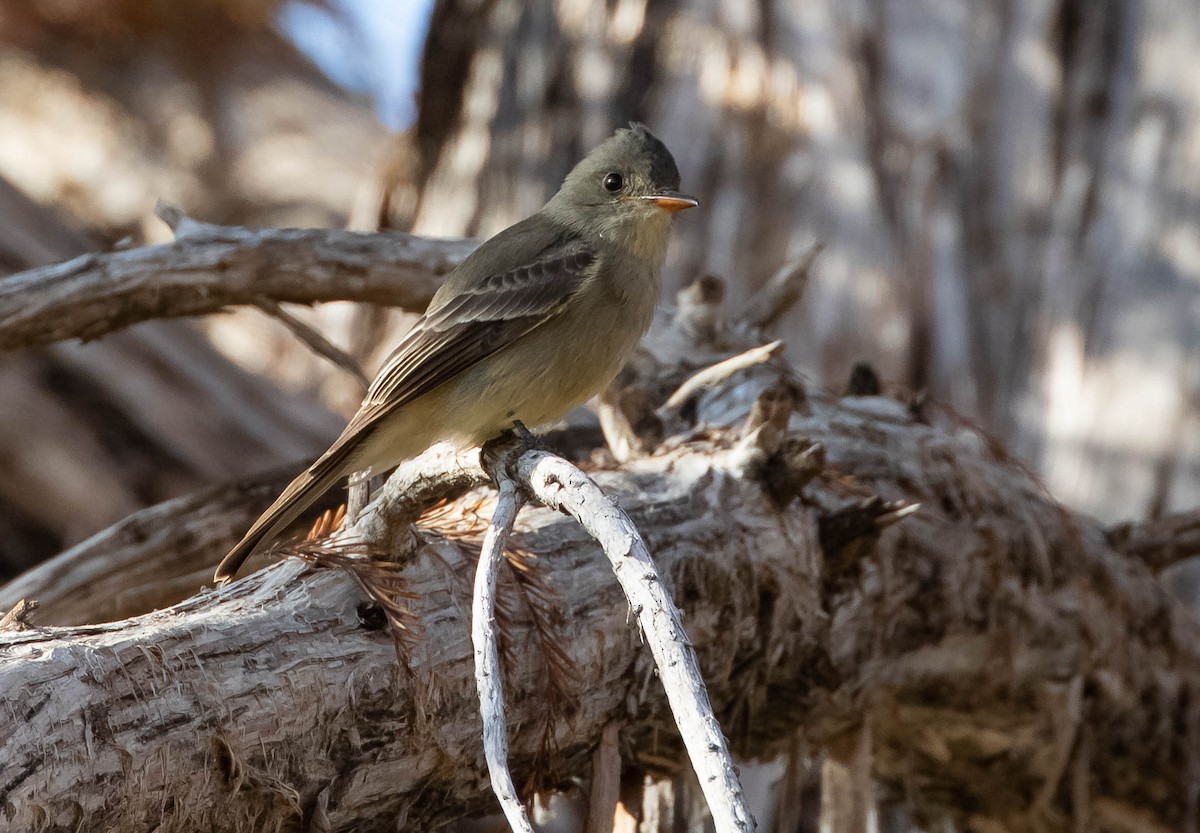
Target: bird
x,y
535,321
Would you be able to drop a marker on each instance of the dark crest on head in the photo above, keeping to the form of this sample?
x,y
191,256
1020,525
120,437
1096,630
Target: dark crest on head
x,y
662,164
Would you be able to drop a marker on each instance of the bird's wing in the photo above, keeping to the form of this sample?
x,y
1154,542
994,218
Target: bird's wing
x,y
473,324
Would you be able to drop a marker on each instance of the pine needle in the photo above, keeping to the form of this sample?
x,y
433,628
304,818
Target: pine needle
x,y
562,677
381,580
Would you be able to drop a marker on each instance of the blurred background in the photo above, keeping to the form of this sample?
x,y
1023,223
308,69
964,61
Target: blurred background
x,y
1008,193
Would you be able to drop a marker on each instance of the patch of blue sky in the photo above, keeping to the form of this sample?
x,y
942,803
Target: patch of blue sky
x,y
371,47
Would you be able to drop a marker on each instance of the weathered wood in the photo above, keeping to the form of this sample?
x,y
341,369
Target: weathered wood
x,y
216,267
152,559
559,485
90,433
980,641
484,639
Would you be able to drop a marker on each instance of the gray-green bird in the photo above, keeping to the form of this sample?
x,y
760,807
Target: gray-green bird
x,y
537,320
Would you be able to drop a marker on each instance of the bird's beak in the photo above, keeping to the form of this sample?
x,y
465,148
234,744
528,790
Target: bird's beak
x,y
670,201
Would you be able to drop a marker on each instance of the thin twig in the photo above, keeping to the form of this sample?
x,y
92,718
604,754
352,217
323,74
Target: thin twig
x,y
782,292
560,485
488,678
715,374
313,340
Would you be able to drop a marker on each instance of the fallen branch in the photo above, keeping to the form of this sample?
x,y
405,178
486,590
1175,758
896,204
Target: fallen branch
x,y
211,268
905,637
995,684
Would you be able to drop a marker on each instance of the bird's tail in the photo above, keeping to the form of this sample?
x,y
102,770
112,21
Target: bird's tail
x,y
298,496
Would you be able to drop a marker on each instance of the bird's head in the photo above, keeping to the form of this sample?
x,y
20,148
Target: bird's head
x,y
628,184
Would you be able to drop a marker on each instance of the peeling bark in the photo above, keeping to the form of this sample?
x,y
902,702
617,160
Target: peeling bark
x,y
1012,669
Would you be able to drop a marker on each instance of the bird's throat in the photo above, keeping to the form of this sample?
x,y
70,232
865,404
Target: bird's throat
x,y
646,238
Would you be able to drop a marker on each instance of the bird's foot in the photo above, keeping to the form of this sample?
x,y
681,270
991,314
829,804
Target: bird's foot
x,y
508,446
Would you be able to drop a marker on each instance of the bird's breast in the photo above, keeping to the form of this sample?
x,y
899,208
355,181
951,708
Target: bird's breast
x,y
568,359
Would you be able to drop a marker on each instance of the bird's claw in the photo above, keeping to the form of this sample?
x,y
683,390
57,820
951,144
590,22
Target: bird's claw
x,y
510,445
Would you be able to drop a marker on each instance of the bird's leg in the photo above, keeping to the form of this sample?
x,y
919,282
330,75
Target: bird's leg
x,y
507,447
498,451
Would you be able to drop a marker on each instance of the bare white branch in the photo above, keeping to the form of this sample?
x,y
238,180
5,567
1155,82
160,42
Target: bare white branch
x,y
489,680
561,485
714,375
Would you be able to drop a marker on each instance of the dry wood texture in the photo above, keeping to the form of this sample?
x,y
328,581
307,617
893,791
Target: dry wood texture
x,y
1012,670
89,433
215,267
1007,192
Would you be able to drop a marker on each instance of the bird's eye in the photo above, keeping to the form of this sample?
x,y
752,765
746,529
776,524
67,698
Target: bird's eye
x,y
613,182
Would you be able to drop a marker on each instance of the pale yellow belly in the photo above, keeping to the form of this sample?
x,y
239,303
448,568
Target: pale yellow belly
x,y
541,377
536,380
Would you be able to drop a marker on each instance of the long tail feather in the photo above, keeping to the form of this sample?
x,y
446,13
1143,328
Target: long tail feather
x,y
308,487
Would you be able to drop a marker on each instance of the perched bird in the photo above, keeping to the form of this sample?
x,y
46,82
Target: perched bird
x,y
537,320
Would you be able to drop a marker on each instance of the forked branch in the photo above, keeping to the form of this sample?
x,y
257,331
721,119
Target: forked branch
x,y
560,485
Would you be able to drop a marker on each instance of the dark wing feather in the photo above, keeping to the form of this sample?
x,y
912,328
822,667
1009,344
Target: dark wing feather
x,y
474,315
473,324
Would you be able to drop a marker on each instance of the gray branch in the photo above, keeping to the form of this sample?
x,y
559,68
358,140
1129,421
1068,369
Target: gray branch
x,y
488,677
209,268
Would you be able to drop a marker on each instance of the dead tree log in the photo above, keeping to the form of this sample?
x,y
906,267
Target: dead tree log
x,y
995,660
1009,667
